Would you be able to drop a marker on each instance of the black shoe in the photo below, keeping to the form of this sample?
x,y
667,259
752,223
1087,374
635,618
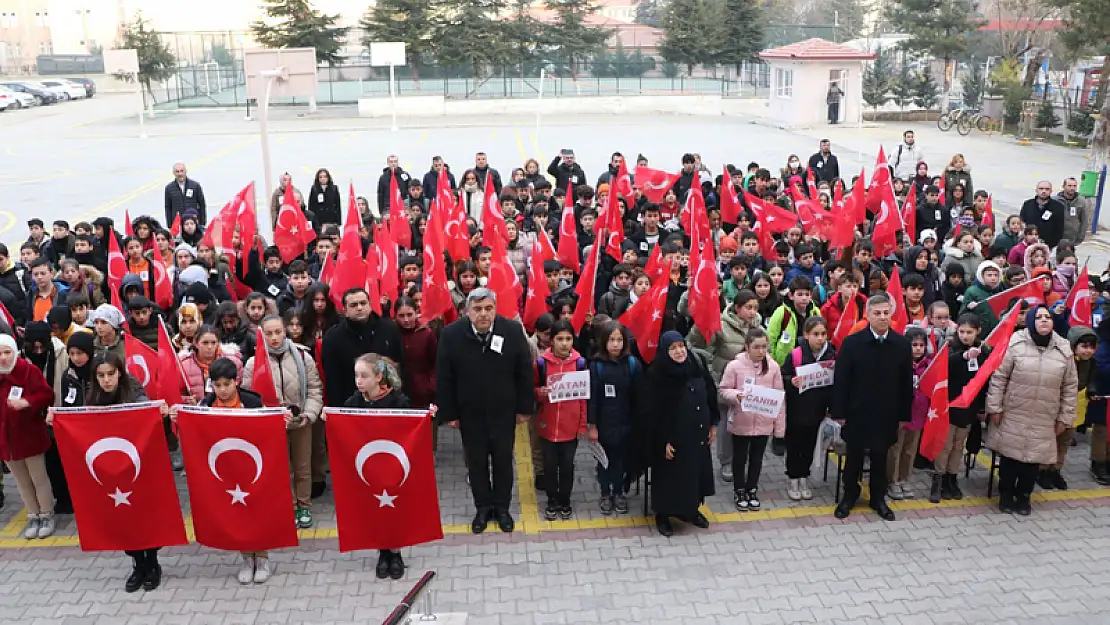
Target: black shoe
x,y
481,519
1043,480
883,510
1022,507
318,489
663,524
842,510
954,487
1006,504
936,489
551,512
1057,479
153,577
946,486
1099,474
700,521
135,580
504,521
396,566
778,446
565,512
382,570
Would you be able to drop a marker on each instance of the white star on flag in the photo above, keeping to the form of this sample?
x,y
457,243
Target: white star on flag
x,y
429,281
120,497
932,414
294,230
385,499
238,495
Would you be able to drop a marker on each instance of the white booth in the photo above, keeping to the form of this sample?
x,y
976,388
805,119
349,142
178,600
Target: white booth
x,y
815,82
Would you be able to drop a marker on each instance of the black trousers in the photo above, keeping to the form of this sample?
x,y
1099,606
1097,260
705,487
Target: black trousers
x,y
63,504
1016,478
144,558
558,470
853,471
801,438
485,449
834,113
747,460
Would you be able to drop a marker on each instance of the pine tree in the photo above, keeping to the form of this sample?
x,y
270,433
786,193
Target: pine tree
x,y
848,18
156,61
572,36
1087,32
296,24
1047,119
904,85
467,34
649,13
744,23
877,80
399,20
973,85
937,28
693,32
927,92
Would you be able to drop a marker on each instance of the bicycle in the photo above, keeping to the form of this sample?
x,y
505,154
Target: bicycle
x,y
949,119
976,120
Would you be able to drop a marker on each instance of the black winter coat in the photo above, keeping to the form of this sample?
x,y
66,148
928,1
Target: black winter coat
x,y
393,400
176,201
383,187
346,341
809,408
324,203
823,169
958,377
616,401
249,399
73,389
873,389
1051,229
564,173
481,387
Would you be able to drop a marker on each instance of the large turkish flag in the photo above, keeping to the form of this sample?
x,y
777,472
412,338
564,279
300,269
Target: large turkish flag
x,y
118,468
384,478
237,467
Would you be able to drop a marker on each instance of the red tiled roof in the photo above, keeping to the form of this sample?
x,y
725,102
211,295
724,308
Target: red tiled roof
x,y
816,49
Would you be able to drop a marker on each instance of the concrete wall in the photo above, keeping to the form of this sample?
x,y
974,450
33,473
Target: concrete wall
x,y
806,107
437,106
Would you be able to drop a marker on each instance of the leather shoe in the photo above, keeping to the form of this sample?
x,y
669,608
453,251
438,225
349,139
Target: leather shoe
x,y
481,519
663,524
842,510
153,577
884,511
700,521
505,521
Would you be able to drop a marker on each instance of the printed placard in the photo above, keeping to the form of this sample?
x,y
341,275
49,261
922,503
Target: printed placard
x,y
762,401
568,386
816,375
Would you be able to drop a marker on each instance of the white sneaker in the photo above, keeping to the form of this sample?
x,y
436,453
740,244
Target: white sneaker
x,y
894,491
726,473
907,492
46,526
807,493
32,530
262,570
246,573
794,491
176,460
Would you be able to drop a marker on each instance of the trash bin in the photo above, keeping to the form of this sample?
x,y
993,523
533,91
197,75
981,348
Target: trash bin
x,y
1088,184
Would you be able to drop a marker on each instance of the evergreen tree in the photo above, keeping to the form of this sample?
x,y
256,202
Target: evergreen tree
x,y
1046,116
1087,33
877,80
467,34
694,32
937,28
974,84
743,39
572,37
296,24
526,38
156,61
904,85
847,18
399,20
926,95
220,54
649,13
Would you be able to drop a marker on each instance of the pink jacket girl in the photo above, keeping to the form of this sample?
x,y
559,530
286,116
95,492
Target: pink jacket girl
x,y
764,373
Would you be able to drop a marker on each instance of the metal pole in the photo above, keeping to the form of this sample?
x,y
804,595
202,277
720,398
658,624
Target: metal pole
x,y
263,128
393,97
859,113
539,102
139,92
1098,199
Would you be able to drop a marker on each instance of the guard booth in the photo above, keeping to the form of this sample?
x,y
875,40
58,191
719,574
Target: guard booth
x,y
815,82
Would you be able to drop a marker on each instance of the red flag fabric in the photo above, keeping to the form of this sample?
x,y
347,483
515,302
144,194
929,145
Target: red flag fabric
x,y
546,249
8,318
568,239
144,364
843,231
1031,291
615,229
811,185
117,268
229,219
898,317
350,268
762,226
881,202
654,183
999,341
119,474
386,249
128,227
163,287
587,284
934,385
655,268
399,226
172,378
705,296
175,227
909,212
437,299
535,304
293,232
694,215
730,200
880,177
383,474
988,212
237,468
453,216
776,218
247,217
644,319
493,222
262,377
847,320
621,184
1078,301
503,281
856,203
373,279
327,272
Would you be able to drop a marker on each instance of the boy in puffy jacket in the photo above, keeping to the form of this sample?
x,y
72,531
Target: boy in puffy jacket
x,y
559,422
899,460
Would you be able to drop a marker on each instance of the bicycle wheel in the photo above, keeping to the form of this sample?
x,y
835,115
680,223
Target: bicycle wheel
x,y
983,123
944,122
964,126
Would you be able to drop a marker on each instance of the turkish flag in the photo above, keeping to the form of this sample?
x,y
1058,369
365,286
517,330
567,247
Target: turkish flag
x,y
262,376
437,299
988,212
568,237
118,468
694,215
763,224
587,283
934,385
117,268
847,319
237,468
399,226
614,228
229,219
327,272
144,364
644,319
655,268
776,218
493,222
373,280
384,478
546,249
999,341
175,227
811,185
843,231
856,203
504,281
730,200
246,216
909,212
453,216
880,177
898,317
386,248
292,234
654,183
1078,301
172,378
1031,291
163,288
621,184
350,268
128,227
538,291
705,296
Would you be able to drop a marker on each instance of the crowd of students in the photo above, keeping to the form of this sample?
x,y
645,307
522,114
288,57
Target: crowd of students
x,y
61,340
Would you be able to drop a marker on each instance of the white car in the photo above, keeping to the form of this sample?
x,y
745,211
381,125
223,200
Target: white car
x,y
67,90
17,100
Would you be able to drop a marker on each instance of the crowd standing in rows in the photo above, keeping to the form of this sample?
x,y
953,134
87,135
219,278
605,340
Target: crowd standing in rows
x,y
660,398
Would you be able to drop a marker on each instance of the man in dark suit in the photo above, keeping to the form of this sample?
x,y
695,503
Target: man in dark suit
x,y
1046,213
184,193
823,163
872,394
485,387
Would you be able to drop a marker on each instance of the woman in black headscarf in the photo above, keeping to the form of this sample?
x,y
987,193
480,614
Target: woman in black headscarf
x,y
684,416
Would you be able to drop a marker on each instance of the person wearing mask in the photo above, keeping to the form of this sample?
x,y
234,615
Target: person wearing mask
x,y
323,199
1046,213
1031,401
907,156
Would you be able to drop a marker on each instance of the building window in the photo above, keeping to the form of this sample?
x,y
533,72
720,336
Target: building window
x,y
784,82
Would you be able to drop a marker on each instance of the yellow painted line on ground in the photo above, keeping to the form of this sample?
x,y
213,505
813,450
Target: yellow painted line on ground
x,y
423,137
520,145
14,526
526,483
536,144
9,221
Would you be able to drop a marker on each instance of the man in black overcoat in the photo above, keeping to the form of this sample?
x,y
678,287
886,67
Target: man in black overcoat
x,y
484,384
872,395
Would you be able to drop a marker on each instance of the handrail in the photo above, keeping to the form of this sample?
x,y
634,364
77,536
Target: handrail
x,y
397,616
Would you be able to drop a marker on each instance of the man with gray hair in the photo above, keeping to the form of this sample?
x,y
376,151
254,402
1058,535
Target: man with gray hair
x,y
183,193
485,387
1046,213
872,395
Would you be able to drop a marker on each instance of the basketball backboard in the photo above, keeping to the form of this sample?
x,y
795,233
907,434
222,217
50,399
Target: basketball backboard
x,y
299,75
387,53
121,61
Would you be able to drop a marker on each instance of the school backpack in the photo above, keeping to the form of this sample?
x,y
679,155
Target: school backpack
x,y
541,367
632,366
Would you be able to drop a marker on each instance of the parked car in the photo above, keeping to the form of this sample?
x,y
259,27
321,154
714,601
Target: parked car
x,y
6,100
18,100
41,94
68,90
87,83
